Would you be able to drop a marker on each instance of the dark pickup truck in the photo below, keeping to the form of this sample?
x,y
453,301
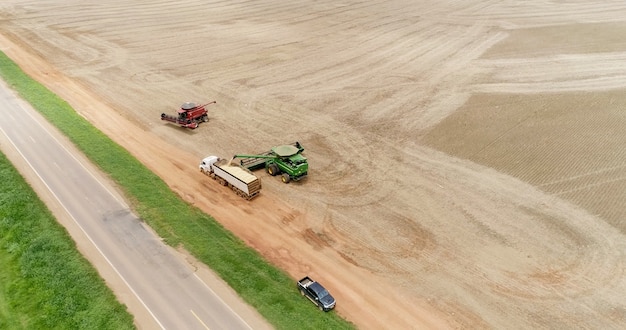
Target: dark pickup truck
x,y
316,293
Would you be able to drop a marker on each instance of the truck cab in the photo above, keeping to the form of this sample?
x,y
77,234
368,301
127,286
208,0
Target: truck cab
x,y
206,163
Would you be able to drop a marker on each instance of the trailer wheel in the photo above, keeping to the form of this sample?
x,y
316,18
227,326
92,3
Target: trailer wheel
x,y
273,170
286,178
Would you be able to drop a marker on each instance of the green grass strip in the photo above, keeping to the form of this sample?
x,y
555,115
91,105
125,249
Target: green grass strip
x,y
268,289
45,283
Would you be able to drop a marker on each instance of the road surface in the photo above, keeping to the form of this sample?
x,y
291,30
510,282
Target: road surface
x,y
158,281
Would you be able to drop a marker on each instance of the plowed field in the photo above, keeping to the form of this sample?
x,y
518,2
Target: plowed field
x,y
467,160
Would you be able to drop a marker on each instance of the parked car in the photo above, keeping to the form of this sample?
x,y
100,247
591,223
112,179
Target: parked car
x,y
316,294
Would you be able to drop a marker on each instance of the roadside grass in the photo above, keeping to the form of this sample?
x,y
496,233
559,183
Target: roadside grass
x,y
45,283
268,289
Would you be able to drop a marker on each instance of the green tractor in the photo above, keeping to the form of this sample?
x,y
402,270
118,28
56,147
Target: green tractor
x,y
285,160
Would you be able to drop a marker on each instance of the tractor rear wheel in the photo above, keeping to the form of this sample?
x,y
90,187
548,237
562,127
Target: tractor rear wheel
x,y
286,178
273,170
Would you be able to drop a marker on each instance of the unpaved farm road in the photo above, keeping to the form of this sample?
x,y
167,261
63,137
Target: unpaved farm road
x,y
466,156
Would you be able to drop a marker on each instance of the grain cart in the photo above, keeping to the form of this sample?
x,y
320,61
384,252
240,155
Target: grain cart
x,y
243,182
190,115
286,160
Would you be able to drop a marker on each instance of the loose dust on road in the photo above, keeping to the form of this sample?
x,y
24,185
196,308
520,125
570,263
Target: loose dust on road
x,y
467,167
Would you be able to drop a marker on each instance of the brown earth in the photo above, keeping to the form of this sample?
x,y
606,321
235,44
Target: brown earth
x,y
467,160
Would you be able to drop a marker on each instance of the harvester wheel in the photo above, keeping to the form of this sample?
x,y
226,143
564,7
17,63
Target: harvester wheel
x,y
286,178
273,170
205,118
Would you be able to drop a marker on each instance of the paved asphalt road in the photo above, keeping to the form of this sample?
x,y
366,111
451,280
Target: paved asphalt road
x,y
165,285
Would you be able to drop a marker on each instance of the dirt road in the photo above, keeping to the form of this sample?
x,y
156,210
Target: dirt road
x,y
466,157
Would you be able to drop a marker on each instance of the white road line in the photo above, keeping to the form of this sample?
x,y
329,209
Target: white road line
x,y
74,157
199,320
82,229
221,300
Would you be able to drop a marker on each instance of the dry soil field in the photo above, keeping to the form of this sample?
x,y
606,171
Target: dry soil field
x,y
467,158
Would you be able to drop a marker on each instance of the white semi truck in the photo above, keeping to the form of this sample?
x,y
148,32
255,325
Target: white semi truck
x,y
239,179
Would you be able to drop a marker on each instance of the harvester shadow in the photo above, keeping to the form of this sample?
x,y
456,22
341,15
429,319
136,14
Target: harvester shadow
x,y
185,130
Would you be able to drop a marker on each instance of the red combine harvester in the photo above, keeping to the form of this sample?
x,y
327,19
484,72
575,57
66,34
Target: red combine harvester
x,y
189,115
